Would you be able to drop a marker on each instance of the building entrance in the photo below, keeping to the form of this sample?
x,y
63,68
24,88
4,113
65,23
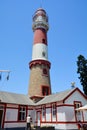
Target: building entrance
x,y
38,118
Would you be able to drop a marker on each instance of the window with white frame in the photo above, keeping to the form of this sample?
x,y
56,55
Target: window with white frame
x,y
54,109
43,111
78,113
77,105
22,113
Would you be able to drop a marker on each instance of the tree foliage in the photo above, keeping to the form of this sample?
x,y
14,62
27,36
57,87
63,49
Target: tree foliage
x,y
82,71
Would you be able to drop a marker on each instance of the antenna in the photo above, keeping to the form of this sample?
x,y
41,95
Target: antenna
x,y
4,71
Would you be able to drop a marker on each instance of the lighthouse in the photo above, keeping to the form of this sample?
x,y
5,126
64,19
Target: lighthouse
x,y
39,81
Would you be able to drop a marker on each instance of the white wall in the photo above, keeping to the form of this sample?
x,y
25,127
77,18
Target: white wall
x,y
32,113
61,126
65,113
12,125
11,114
37,51
85,115
76,96
48,114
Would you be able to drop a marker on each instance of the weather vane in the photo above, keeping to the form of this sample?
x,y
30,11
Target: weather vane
x,y
73,84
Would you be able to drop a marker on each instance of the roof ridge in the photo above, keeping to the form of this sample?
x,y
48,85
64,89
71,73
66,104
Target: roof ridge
x,y
12,93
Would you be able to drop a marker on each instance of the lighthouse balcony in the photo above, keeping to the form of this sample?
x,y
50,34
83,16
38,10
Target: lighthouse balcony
x,y
40,24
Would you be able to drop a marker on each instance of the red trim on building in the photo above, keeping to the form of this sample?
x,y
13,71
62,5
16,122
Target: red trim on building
x,y
15,121
61,122
76,89
11,108
65,105
78,102
43,62
43,106
56,112
4,114
51,112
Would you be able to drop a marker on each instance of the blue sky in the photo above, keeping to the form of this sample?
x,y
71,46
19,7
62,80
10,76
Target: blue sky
x,y
67,38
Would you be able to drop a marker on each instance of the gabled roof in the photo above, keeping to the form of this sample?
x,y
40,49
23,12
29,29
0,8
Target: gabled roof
x,y
60,96
13,98
21,99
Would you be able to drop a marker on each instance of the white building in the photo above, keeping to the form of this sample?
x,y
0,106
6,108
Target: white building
x,y
57,110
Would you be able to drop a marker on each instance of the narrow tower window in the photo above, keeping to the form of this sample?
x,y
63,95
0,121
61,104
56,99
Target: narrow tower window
x,y
43,40
45,71
43,54
45,90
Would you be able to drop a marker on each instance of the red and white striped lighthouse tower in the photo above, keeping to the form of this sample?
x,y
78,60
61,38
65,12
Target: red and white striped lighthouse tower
x,y
39,82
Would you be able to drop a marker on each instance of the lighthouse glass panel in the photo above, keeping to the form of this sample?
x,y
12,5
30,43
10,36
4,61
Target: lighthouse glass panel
x,y
39,18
